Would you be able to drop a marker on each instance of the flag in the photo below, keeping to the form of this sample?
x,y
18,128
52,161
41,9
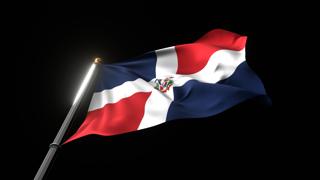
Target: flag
x,y
193,80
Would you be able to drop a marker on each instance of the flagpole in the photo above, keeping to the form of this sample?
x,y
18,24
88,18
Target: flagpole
x,y
53,147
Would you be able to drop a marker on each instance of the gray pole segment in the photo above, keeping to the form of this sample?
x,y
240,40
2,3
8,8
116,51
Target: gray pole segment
x,y
57,141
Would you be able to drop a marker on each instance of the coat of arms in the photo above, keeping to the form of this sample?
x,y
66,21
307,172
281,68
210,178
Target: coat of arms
x,y
163,85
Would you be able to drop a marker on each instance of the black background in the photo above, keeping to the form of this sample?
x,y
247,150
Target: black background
x,y
57,43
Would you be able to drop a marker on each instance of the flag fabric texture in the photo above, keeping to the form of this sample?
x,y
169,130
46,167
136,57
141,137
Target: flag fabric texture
x,y
194,80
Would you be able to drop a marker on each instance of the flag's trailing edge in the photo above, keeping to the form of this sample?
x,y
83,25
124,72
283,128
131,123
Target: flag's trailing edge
x,y
193,80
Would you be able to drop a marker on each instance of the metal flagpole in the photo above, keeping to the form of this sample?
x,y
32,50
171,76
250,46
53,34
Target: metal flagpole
x,y
57,141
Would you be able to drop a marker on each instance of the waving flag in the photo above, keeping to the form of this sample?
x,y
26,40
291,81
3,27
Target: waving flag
x,y
193,80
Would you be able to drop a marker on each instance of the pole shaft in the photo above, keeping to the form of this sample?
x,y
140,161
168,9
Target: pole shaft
x,y
45,164
57,141
53,149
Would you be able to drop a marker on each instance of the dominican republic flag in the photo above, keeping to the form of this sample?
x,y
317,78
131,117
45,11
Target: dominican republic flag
x,y
194,80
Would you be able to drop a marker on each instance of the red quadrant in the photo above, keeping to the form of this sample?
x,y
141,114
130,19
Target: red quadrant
x,y
121,117
192,58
